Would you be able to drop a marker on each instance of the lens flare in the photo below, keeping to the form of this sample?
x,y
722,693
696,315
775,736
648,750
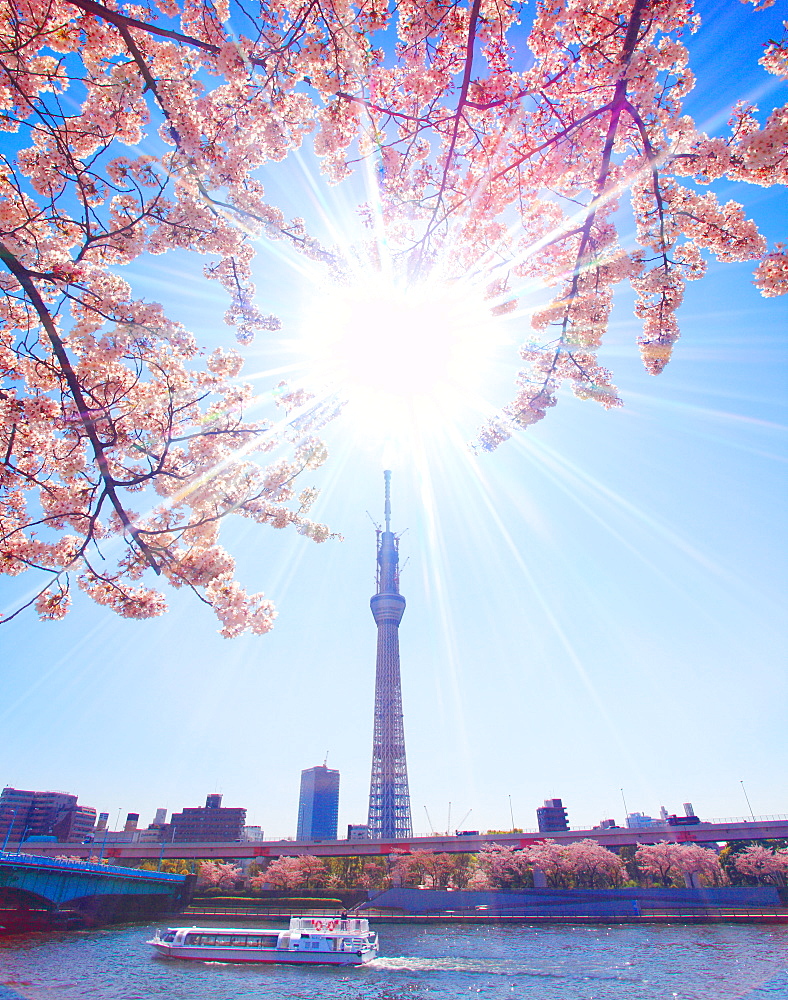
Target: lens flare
x,y
408,361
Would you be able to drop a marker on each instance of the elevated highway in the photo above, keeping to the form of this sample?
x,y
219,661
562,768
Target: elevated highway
x,y
702,833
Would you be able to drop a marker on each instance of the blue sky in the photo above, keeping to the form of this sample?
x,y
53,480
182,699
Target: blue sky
x,y
597,606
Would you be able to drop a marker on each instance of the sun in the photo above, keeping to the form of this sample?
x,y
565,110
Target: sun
x,y
409,361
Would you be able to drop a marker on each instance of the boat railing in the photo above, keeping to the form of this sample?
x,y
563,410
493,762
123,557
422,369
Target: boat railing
x,y
328,924
266,910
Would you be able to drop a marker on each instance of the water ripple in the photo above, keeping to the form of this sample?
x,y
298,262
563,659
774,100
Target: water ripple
x,y
713,962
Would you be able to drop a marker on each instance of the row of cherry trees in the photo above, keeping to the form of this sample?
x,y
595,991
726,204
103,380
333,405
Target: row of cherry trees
x,y
582,864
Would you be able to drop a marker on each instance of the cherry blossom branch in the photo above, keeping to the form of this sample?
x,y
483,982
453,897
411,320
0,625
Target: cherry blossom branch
x,y
58,349
615,107
123,21
463,95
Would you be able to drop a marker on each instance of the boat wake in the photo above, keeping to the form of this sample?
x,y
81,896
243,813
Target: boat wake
x,y
498,967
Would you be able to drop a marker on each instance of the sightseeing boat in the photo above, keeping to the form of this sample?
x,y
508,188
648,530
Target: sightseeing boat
x,y
308,941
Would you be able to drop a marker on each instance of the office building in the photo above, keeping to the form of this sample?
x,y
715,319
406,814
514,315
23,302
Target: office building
x,y
25,813
551,817
640,821
318,804
211,823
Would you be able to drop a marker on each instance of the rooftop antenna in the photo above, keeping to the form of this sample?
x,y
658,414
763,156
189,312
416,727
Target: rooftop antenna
x,y
387,505
325,760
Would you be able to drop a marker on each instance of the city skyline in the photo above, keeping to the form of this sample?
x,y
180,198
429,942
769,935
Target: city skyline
x,y
38,812
597,606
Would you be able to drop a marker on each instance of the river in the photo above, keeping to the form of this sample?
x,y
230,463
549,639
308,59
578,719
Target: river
x,y
707,962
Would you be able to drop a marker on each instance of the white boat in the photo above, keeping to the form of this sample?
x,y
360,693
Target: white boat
x,y
308,941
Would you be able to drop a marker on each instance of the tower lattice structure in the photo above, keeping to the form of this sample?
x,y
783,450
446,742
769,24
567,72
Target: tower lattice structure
x,y
389,797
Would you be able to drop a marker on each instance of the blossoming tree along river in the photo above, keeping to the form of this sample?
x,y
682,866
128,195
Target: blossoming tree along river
x,y
500,159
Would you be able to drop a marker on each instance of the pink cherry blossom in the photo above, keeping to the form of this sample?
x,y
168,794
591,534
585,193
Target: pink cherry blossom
x,y
669,864
305,871
762,864
129,137
218,874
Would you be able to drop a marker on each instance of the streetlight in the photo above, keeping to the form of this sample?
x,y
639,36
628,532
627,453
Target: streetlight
x,y
104,841
8,831
626,811
748,800
163,845
22,838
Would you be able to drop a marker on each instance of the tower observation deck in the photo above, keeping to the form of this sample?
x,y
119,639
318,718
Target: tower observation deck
x,y
389,798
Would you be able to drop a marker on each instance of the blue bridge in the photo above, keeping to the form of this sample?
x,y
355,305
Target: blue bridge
x,y
41,893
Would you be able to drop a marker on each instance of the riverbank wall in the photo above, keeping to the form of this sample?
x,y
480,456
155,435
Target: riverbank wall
x,y
737,904
564,904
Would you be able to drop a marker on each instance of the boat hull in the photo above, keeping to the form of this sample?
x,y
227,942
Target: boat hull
x,y
308,941
278,956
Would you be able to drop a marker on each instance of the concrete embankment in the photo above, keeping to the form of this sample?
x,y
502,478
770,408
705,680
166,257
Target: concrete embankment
x,y
604,905
736,904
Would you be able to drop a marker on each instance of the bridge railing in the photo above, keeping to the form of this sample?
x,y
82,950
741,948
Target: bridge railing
x,y
748,819
725,821
91,866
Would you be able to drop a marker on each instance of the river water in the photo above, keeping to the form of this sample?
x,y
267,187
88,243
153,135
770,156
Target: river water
x,y
493,962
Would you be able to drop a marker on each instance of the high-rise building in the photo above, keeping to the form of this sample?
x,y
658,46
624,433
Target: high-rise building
x,y
157,832
211,823
25,813
639,821
389,797
132,822
318,804
552,816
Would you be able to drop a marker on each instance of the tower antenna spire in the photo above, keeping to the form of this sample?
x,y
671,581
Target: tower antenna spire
x,y
389,796
387,504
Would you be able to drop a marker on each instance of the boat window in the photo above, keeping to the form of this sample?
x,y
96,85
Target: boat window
x,y
192,939
253,942
269,942
223,940
238,941
169,936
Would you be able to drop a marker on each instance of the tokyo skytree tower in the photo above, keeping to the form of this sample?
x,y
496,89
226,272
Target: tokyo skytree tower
x,y
389,798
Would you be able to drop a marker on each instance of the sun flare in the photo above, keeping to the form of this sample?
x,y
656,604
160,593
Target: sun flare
x,y
408,361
